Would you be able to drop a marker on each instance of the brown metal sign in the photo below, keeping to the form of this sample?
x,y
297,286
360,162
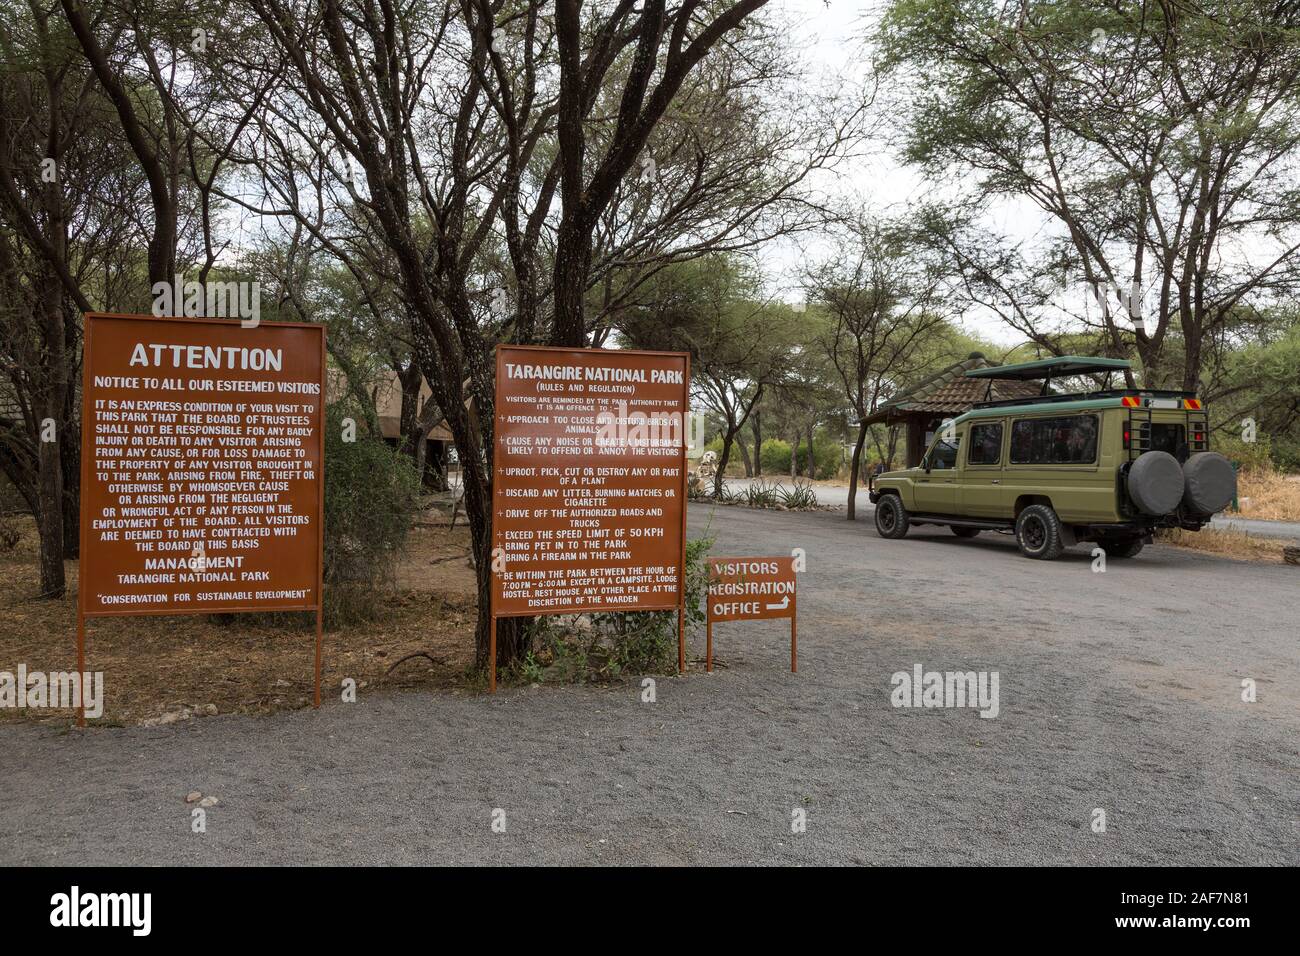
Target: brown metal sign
x,y
202,454
751,589
589,480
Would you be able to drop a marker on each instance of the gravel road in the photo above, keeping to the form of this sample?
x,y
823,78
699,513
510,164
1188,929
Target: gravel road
x,y
1118,691
837,496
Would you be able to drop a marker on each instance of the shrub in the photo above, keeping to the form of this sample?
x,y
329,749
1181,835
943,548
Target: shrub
x,y
800,497
10,532
776,456
761,494
1249,456
827,457
370,496
606,646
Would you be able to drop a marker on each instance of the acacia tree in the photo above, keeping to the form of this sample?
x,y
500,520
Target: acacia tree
x,y
666,47
66,188
1158,140
739,344
418,144
881,303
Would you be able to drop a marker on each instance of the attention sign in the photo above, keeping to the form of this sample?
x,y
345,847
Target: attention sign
x,y
589,480
751,589
201,466
202,455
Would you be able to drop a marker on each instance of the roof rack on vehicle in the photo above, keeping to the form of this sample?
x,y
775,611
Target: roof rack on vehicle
x,y
1087,396
1053,367
1048,368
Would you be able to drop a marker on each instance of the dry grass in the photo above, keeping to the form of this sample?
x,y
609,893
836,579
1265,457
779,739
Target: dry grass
x,y
1269,495
1228,542
194,665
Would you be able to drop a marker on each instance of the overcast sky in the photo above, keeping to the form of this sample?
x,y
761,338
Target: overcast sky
x,y
829,38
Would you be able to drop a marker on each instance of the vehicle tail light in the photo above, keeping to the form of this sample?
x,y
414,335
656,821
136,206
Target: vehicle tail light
x,y
1127,438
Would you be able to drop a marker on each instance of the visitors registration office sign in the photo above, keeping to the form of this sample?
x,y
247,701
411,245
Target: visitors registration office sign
x,y
201,466
589,480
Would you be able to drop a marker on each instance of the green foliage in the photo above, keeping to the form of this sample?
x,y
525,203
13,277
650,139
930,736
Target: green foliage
x,y
608,646
1067,99
801,496
776,456
370,497
1248,456
761,494
1259,381
827,456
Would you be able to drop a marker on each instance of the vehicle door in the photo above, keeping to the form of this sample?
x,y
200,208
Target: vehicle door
x,y
936,485
980,490
1057,456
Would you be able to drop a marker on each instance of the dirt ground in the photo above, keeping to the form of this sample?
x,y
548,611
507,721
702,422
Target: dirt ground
x,y
165,669
1119,691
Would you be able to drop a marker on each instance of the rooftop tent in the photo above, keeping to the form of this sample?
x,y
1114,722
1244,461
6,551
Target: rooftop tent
x,y
1055,367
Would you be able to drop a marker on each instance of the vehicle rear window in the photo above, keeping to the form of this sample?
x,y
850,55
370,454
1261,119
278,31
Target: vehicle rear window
x,y
1169,438
985,444
1069,440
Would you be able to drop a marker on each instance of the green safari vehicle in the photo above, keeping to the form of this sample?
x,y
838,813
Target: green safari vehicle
x,y
1108,466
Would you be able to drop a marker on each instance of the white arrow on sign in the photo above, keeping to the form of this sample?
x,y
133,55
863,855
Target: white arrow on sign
x,y
785,603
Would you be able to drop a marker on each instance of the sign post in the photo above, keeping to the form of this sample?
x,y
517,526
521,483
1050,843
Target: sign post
x,y
589,484
751,589
202,459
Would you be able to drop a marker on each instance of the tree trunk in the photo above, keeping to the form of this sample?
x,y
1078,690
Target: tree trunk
x,y
756,428
812,458
435,469
794,455
853,475
50,411
728,437
744,453
408,429
71,462
572,266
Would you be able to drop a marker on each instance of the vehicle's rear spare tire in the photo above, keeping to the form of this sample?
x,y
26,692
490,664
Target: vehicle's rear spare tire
x,y
1155,483
1210,483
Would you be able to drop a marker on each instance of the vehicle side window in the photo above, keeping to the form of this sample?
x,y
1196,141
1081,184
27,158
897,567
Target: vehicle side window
x,y
1070,440
985,444
944,454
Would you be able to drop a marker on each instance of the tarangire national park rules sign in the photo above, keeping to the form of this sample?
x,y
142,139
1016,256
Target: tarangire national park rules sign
x,y
202,454
588,480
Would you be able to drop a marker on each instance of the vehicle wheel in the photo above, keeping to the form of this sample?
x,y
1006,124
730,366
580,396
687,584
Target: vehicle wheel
x,y
1122,547
1038,532
965,532
892,519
